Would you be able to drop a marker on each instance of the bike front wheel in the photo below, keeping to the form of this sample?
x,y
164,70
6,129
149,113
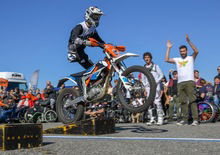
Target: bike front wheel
x,y
142,89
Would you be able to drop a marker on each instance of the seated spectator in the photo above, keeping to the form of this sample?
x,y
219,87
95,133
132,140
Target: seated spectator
x,y
46,102
38,106
31,98
197,79
8,110
12,95
49,90
207,91
39,97
218,69
217,90
23,102
3,94
17,94
22,105
2,104
38,103
10,102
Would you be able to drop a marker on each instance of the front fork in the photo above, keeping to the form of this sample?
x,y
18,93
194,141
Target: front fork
x,y
126,83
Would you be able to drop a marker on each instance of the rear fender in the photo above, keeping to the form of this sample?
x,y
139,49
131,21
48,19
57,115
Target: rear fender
x,y
124,56
62,81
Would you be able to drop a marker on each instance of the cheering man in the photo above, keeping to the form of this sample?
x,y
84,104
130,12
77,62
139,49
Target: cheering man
x,y
186,84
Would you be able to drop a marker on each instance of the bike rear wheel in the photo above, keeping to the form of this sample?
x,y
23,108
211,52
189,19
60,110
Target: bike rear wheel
x,y
70,114
143,88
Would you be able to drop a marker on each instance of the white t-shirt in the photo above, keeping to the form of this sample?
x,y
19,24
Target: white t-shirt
x,y
185,68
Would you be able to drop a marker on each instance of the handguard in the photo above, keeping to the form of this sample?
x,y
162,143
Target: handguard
x,y
93,42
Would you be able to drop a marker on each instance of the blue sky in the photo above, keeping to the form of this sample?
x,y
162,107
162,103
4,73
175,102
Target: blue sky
x,y
34,34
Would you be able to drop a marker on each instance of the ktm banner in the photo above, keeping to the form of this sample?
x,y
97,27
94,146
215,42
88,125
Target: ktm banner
x,y
3,82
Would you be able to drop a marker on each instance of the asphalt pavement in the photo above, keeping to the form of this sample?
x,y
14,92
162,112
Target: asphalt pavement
x,y
131,139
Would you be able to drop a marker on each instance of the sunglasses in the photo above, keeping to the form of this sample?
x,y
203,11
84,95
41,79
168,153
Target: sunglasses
x,y
218,69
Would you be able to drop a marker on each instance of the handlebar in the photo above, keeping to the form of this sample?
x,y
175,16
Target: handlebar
x,y
111,49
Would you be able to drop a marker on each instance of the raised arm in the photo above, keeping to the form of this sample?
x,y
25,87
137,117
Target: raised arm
x,y
167,57
195,53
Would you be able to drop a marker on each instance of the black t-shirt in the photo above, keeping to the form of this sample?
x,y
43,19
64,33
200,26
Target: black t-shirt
x,y
208,90
172,90
217,90
18,97
50,92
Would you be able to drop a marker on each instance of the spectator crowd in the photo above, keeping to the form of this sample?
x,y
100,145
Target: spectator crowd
x,y
167,98
175,100
31,99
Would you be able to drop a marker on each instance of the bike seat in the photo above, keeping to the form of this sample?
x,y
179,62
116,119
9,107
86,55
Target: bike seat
x,y
83,72
79,74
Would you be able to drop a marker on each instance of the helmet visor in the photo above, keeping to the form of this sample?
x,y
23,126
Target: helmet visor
x,y
95,16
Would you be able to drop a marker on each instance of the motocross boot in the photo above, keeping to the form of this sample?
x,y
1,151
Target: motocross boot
x,y
160,114
151,122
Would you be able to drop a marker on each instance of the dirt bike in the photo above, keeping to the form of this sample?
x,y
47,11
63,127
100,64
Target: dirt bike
x,y
93,83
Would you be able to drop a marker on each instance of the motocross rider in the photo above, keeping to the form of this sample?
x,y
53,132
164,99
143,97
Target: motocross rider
x,y
158,75
81,32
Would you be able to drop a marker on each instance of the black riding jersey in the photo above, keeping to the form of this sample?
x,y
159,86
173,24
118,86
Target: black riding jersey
x,y
79,32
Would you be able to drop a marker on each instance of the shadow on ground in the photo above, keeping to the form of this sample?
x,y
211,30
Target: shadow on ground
x,y
47,143
139,129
